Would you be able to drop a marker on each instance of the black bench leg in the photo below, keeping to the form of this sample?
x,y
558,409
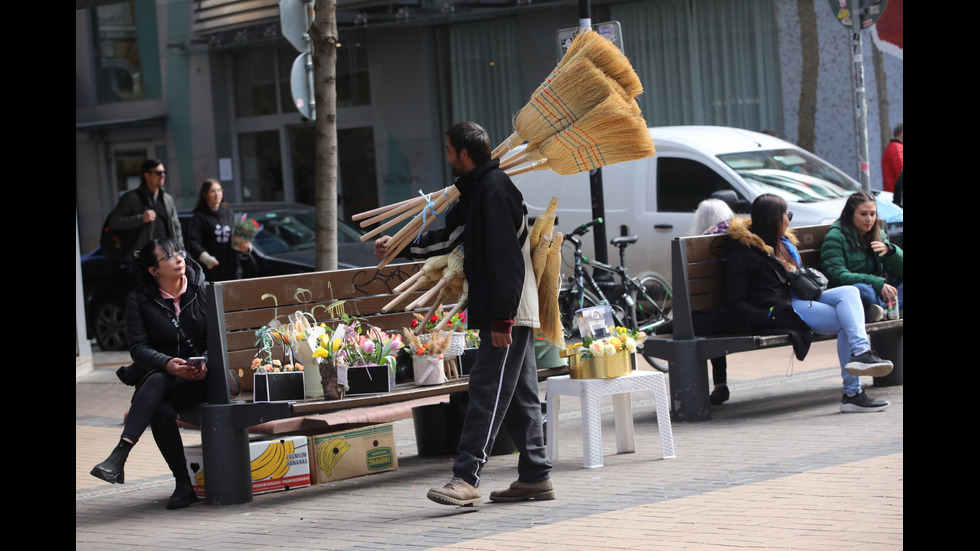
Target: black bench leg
x,y
888,344
227,466
689,397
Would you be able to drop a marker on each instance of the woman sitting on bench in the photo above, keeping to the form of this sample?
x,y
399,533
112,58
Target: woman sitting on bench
x,y
763,252
857,252
166,318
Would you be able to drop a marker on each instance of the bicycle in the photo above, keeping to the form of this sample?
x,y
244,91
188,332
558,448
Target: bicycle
x,y
642,303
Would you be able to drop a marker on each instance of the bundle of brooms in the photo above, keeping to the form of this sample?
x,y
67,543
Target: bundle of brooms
x,y
582,117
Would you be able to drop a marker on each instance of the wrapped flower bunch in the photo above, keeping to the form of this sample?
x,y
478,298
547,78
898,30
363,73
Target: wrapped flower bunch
x,y
437,344
246,228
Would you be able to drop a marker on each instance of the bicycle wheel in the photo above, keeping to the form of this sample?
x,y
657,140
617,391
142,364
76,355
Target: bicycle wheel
x,y
566,302
654,305
656,301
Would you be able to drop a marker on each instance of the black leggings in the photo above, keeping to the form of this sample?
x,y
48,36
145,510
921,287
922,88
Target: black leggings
x,y
153,406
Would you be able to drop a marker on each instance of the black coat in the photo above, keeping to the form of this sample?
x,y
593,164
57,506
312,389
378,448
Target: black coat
x,y
496,256
759,299
153,337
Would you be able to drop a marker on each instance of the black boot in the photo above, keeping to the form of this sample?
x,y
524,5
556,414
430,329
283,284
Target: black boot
x,y
183,494
111,470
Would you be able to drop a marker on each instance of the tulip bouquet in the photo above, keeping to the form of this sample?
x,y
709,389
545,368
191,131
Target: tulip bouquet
x,y
356,344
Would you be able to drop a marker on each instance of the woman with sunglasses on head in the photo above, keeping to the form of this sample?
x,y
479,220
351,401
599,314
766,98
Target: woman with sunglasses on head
x,y
166,318
856,251
762,255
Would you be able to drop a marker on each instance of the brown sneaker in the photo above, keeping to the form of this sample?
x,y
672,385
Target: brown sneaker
x,y
458,492
524,491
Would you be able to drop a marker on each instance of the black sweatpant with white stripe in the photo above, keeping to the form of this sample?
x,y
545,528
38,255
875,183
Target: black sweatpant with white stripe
x,y
504,391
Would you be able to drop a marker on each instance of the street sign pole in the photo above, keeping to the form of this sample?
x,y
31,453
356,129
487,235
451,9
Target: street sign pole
x,y
858,15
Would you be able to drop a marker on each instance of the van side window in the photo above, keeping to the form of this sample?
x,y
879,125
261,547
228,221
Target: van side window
x,y
683,183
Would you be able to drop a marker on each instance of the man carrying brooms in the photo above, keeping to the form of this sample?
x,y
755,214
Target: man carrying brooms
x,y
490,220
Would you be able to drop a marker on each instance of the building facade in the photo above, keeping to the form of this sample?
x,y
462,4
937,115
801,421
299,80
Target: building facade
x,y
204,85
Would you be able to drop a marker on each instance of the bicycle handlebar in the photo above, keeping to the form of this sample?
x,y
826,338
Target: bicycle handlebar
x,y
584,228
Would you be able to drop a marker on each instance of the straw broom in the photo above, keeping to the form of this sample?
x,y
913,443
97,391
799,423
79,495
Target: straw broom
x,y
608,134
607,57
571,92
549,314
431,271
453,270
605,124
409,232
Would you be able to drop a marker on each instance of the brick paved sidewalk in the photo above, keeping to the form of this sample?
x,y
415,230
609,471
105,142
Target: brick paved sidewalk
x,y
778,467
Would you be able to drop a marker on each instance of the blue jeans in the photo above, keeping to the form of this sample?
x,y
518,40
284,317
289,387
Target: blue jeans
x,y
869,296
504,392
839,311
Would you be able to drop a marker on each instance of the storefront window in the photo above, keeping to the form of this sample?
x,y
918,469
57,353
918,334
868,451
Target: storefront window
x,y
126,48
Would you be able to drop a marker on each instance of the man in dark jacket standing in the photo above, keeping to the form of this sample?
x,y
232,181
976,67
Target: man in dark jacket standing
x,y
490,220
147,212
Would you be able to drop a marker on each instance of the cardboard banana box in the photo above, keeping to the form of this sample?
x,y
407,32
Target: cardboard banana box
x,y
281,464
350,453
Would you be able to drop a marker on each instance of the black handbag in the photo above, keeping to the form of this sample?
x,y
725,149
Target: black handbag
x,y
131,374
807,283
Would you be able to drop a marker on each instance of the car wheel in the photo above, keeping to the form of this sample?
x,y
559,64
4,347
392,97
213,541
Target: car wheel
x,y
109,324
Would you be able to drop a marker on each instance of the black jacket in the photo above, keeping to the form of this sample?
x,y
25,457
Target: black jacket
x,y
150,322
210,231
759,299
490,220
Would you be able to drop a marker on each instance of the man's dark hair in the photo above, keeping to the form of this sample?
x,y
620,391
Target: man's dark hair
x,y
471,137
147,166
897,131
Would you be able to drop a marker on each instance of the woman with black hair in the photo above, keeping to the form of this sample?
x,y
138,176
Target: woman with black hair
x,y
763,252
857,252
166,318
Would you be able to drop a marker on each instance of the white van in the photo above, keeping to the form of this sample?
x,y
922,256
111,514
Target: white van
x,y
655,198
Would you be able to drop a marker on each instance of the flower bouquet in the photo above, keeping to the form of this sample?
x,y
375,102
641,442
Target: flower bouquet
x,y
353,356
428,357
273,380
603,358
244,232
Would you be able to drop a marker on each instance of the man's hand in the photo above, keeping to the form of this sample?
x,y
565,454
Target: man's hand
x,y
381,247
500,339
149,215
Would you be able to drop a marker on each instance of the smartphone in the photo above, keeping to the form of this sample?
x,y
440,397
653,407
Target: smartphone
x,y
197,362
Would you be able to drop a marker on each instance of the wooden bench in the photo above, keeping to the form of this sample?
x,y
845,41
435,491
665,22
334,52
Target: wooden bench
x,y
241,307
698,271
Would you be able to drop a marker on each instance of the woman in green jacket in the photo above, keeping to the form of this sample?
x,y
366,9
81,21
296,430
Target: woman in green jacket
x,y
857,252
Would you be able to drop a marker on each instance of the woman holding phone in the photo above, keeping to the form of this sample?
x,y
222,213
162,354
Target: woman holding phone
x,y
166,318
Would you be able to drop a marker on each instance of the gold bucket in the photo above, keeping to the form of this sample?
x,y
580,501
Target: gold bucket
x,y
603,367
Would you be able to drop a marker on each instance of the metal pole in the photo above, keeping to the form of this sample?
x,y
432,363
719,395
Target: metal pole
x,y
595,176
860,102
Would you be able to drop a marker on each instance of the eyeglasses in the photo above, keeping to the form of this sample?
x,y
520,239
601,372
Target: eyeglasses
x,y
170,256
159,172
789,216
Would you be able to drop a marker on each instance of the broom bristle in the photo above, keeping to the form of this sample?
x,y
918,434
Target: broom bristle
x,y
607,57
573,92
606,135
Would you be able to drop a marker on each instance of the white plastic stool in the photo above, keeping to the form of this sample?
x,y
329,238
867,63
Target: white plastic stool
x,y
589,392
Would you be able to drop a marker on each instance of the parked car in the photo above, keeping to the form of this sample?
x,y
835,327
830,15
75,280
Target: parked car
x,y
287,245
656,197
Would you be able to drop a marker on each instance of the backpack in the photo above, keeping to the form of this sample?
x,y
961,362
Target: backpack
x,y
117,245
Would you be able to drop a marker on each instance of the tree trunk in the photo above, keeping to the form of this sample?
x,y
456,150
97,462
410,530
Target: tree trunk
x,y
324,37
